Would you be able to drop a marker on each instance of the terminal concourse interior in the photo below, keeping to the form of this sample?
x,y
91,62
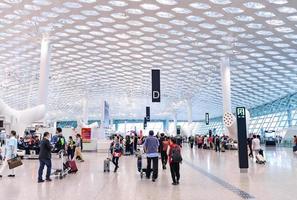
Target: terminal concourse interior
x,y
91,67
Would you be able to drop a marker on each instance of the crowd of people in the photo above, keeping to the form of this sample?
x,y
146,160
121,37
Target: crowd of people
x,y
168,148
153,146
210,141
44,148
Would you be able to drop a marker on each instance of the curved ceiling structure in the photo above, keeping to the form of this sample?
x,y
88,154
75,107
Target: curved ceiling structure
x,y
106,49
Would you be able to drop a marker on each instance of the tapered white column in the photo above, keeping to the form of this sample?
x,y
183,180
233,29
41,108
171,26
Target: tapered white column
x,y
44,70
175,123
228,117
190,111
226,84
85,109
189,129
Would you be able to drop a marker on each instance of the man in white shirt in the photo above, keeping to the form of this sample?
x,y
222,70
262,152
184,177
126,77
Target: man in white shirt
x,y
10,152
256,144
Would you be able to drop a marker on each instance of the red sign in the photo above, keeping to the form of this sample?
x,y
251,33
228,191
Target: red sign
x,y
86,134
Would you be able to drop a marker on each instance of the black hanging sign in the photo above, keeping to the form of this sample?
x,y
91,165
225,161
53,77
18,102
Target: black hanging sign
x,y
207,118
148,114
156,90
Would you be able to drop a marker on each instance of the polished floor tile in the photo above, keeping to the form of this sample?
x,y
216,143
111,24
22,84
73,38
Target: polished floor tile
x,y
204,175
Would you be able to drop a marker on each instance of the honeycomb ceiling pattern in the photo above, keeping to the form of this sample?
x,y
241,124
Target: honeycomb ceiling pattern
x,y
106,49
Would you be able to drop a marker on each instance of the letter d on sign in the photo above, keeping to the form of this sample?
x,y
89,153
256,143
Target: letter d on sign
x,y
156,91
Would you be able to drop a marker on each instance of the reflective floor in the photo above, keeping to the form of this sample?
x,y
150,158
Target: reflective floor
x,y
204,175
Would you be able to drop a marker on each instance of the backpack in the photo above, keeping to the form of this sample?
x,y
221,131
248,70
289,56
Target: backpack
x,y
176,155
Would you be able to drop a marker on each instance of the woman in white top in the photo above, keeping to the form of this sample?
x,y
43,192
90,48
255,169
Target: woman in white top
x,y
256,145
10,152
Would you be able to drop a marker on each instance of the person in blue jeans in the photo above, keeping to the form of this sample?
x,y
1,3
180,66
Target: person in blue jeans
x,y
151,147
45,158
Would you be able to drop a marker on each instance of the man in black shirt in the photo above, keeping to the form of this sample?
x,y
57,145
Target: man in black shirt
x,y
45,158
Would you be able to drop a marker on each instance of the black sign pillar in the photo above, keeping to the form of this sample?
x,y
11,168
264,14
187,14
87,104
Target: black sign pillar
x,y
242,139
207,118
148,114
156,91
144,123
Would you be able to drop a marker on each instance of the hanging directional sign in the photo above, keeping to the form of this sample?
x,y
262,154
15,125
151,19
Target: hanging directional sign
x,y
156,90
207,118
148,114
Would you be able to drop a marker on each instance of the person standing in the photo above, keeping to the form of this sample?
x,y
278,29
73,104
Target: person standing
x,y
151,146
78,148
191,141
2,138
10,152
135,141
70,148
61,141
175,159
217,144
45,157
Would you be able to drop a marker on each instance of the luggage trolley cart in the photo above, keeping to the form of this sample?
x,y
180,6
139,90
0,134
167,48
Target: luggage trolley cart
x,y
63,170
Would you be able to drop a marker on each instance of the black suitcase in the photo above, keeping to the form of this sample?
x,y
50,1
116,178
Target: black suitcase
x,y
295,148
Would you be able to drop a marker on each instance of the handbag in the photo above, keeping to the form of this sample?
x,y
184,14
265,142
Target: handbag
x,y
14,162
117,154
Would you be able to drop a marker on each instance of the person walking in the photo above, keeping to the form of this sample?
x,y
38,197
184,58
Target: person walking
x,y
256,145
10,152
250,141
151,146
191,141
175,159
116,151
78,148
164,156
45,158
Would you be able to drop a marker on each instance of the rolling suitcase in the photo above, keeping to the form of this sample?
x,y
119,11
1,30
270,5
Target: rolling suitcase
x,y
295,148
260,159
106,166
72,166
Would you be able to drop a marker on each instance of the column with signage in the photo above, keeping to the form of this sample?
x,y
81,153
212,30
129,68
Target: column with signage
x,y
242,139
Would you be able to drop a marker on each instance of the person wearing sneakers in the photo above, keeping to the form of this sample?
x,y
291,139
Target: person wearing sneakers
x,y
10,152
151,147
175,159
45,158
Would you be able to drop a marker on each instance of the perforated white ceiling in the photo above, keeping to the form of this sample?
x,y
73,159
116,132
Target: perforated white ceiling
x,y
105,49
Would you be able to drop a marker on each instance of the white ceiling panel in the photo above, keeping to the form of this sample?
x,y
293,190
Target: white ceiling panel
x,y
106,49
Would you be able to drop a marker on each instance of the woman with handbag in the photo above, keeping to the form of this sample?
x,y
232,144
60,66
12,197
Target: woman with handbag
x,y
116,150
10,152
